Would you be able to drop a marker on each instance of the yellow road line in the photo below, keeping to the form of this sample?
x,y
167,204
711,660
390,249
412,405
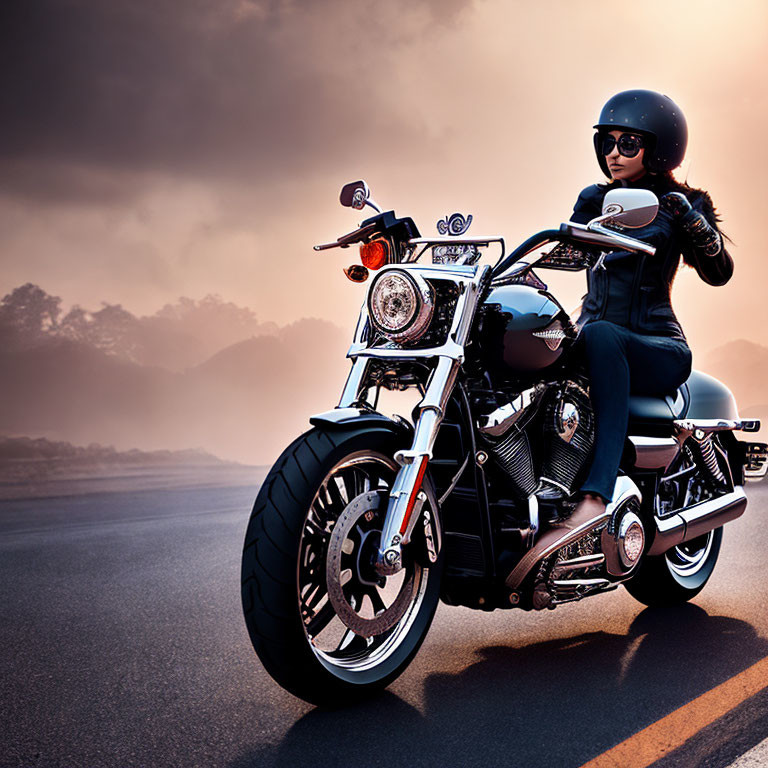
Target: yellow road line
x,y
669,733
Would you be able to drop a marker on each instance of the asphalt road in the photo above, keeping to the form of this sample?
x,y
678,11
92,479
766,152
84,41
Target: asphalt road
x,y
123,644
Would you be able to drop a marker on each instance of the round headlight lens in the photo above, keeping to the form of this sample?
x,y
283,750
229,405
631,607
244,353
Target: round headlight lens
x,y
400,304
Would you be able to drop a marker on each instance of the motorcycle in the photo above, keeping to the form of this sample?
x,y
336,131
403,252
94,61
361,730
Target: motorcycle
x,y
365,522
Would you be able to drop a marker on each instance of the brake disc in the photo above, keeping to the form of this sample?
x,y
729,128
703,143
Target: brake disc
x,y
351,551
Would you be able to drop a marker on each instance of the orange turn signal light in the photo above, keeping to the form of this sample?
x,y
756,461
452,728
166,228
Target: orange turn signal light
x,y
375,254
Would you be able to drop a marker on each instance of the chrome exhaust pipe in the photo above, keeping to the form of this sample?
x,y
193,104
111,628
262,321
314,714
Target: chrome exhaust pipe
x,y
697,520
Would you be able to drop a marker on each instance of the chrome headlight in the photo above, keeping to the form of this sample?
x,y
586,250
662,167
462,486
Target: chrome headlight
x,y
400,304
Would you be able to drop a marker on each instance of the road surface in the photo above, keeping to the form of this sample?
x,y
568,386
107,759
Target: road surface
x,y
123,644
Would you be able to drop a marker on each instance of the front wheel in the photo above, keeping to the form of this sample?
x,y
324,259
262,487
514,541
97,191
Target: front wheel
x,y
677,575
325,625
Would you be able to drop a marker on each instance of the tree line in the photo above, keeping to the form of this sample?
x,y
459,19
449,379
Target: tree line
x,y
176,336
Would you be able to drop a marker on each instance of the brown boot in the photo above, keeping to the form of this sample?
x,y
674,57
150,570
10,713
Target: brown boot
x,y
589,513
591,504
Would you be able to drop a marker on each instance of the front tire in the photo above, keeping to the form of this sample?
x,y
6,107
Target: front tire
x,y
291,620
677,575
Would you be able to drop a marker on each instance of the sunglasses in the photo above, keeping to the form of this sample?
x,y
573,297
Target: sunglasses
x,y
628,143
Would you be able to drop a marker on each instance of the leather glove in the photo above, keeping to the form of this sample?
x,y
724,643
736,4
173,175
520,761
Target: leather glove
x,y
676,204
703,235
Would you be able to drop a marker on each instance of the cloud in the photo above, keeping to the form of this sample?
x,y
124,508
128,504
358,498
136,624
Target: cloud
x,y
240,89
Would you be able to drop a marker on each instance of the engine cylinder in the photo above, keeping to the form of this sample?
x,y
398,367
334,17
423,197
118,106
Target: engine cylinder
x,y
508,442
568,438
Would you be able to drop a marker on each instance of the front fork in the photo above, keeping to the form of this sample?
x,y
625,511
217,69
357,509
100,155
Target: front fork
x,y
406,498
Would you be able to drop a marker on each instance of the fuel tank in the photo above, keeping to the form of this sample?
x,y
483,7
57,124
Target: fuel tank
x,y
520,328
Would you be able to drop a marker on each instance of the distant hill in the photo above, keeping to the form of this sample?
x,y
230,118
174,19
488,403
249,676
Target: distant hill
x,y
244,403
176,337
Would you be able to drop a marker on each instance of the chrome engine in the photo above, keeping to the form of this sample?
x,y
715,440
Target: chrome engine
x,y
504,432
561,414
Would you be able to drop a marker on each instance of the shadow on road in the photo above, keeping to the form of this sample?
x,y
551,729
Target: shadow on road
x,y
555,703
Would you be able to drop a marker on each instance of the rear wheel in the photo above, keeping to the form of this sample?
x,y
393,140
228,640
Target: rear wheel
x,y
325,625
677,575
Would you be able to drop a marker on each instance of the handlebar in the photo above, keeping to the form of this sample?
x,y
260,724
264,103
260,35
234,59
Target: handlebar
x,y
570,231
358,236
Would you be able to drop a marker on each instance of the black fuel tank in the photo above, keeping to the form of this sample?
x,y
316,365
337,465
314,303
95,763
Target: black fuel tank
x,y
508,319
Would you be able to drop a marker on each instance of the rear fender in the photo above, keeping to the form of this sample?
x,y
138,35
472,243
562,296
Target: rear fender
x,y
709,398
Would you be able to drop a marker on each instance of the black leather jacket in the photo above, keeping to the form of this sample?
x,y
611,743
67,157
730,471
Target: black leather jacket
x,y
633,289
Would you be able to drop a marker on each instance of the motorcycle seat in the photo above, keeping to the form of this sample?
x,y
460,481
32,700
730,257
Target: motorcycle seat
x,y
653,415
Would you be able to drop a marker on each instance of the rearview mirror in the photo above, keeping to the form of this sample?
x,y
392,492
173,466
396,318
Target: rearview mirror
x,y
628,207
354,195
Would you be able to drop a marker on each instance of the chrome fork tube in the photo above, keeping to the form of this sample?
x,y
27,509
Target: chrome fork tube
x,y
352,389
406,499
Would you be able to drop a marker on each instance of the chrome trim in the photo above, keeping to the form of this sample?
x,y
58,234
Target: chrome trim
x,y
610,540
627,522
424,294
498,421
571,590
577,563
353,386
445,239
756,474
601,236
654,452
337,415
710,459
755,461
623,490
697,520
454,225
703,426
679,473
533,512
437,240
554,333
468,278
579,586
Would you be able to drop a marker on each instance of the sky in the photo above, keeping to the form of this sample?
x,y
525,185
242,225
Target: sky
x,y
151,150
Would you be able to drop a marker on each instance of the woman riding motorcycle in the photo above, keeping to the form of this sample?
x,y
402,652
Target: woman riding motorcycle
x,y
630,336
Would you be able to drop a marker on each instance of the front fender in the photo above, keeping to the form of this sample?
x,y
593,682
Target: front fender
x,y
343,418
429,535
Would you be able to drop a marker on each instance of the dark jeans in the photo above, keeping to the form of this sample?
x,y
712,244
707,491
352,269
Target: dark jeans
x,y
620,361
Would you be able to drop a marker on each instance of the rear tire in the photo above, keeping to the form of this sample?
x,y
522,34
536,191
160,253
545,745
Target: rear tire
x,y
677,575
284,576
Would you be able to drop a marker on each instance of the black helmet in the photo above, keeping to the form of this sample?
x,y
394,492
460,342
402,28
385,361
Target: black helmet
x,y
650,114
